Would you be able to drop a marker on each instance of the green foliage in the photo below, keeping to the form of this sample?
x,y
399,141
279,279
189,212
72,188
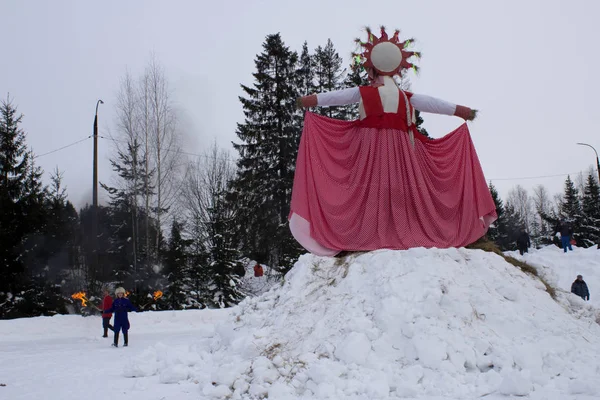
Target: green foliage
x,y
269,138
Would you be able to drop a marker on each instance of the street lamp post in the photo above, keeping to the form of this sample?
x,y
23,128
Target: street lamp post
x,y
95,196
598,167
597,159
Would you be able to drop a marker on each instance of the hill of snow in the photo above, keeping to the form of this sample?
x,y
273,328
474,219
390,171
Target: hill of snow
x,y
560,269
414,324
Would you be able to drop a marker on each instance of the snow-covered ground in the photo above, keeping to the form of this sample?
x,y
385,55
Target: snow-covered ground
x,y
415,324
560,269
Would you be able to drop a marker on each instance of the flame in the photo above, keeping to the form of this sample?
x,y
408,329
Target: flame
x,y
127,294
80,296
157,295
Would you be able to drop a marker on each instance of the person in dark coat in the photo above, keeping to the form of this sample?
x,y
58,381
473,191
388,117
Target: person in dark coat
x,y
120,307
565,234
523,242
579,287
106,304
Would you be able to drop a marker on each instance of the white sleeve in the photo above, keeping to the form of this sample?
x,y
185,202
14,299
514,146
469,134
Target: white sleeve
x,y
339,97
430,104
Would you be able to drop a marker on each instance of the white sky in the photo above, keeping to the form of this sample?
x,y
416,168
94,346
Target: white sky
x,y
529,66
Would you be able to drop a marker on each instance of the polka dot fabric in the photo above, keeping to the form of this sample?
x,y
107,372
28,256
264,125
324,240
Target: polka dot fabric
x,y
368,188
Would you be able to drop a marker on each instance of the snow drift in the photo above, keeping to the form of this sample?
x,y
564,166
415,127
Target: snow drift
x,y
420,323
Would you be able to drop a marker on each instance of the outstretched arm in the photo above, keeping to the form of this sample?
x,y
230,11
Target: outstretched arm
x,y
130,306
430,104
334,98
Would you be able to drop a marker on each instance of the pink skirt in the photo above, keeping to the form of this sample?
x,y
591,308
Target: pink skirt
x,y
358,188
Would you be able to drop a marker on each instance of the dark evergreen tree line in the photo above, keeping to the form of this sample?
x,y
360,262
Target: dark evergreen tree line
x,y
581,209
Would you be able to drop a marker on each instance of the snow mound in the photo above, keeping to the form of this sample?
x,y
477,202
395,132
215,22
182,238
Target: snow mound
x,y
560,269
420,323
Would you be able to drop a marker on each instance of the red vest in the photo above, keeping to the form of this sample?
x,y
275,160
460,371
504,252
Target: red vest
x,y
377,118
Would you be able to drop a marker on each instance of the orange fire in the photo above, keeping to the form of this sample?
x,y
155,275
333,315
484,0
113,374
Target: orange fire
x,y
80,296
157,295
127,294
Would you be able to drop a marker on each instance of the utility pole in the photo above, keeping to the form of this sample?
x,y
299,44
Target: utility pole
x,y
95,199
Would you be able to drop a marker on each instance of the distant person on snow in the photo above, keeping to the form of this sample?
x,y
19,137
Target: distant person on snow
x,y
120,307
258,270
523,242
566,231
106,304
579,287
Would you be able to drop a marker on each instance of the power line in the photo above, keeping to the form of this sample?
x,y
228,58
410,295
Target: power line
x,y
64,147
234,161
169,150
533,177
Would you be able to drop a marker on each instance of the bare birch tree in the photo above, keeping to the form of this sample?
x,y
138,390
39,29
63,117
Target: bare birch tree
x,y
523,205
128,125
146,123
165,139
205,183
211,223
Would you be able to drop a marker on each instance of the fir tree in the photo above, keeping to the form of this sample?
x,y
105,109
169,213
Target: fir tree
x,y
356,77
223,256
329,77
306,73
176,267
23,254
570,208
14,167
269,143
497,232
199,275
130,264
514,223
590,224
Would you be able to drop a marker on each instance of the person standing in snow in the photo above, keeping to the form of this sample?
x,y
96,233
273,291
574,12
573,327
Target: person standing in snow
x,y
579,287
523,242
565,234
106,304
120,307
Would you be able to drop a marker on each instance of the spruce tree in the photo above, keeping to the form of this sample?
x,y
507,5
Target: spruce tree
x,y
570,208
269,138
130,265
176,268
223,255
590,224
497,232
306,72
329,77
355,77
514,223
14,167
23,220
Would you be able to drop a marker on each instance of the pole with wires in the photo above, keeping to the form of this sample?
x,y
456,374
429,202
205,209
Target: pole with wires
x,y
95,200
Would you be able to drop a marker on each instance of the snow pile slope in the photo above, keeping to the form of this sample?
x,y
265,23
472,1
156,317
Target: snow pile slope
x,y
561,269
422,324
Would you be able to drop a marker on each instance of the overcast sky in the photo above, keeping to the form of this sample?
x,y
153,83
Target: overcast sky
x,y
532,68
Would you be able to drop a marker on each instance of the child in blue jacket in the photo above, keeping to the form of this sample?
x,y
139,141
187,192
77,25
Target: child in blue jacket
x,y
120,307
